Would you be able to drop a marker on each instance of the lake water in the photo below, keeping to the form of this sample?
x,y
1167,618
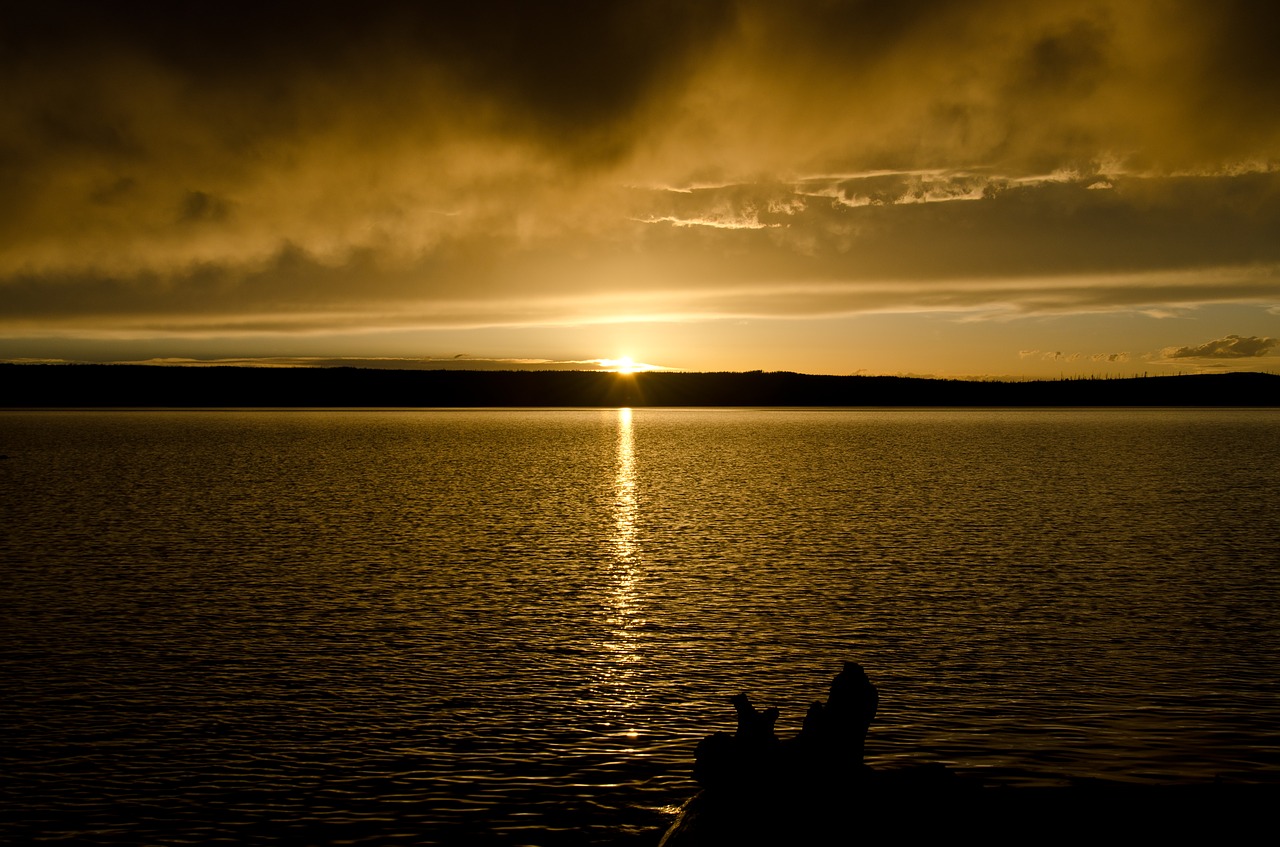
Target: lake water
x,y
512,627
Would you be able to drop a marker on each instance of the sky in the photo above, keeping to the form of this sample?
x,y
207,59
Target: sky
x,y
957,188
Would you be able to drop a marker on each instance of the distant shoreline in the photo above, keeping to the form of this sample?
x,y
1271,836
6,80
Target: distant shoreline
x,y
149,386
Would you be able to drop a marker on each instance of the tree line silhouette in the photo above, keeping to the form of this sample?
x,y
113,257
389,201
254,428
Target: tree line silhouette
x,y
88,385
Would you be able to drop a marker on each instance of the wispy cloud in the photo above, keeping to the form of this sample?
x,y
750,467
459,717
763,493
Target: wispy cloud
x,y
714,222
1230,347
1059,356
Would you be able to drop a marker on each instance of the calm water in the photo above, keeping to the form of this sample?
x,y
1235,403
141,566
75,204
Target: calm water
x,y
513,626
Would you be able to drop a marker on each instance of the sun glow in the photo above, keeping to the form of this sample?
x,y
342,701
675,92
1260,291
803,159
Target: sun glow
x,y
623,365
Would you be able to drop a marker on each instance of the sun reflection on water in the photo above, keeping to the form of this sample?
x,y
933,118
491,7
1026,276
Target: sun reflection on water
x,y
624,590
626,550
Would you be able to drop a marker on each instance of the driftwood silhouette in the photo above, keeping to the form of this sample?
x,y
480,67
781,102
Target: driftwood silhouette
x,y
810,789
815,789
830,746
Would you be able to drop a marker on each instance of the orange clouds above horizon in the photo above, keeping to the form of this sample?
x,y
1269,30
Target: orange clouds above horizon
x,y
283,168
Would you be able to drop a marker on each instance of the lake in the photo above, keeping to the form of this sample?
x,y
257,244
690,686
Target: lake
x,y
513,627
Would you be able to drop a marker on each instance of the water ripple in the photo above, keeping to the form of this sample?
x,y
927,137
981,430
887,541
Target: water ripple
x,y
514,627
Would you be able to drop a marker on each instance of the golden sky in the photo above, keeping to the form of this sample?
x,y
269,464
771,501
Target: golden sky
x,y
964,188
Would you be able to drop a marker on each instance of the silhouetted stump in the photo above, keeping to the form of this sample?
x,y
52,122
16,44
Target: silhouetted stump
x,y
829,747
761,790
815,789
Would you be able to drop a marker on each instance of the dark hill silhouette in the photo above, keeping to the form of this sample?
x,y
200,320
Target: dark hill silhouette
x,y
79,385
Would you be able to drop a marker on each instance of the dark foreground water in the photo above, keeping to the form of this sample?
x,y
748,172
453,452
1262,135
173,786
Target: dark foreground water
x,y
513,627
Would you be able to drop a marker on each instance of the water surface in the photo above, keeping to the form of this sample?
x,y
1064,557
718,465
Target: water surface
x,y
513,626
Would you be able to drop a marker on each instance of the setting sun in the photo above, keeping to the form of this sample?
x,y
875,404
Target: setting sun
x,y
623,365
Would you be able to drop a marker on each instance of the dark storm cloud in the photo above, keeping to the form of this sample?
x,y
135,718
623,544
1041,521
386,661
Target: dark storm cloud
x,y
115,87
958,84
200,206
295,166
570,69
1230,347
1069,61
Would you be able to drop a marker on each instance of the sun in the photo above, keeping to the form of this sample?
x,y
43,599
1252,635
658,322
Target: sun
x,y
626,366
623,365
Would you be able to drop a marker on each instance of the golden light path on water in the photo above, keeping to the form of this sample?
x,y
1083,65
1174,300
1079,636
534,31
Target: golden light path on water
x,y
624,575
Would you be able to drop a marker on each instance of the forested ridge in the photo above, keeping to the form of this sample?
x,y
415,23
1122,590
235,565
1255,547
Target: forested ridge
x,y
85,385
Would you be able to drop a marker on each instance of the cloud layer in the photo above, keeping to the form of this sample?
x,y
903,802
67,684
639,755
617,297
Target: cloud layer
x,y
227,168
1231,347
